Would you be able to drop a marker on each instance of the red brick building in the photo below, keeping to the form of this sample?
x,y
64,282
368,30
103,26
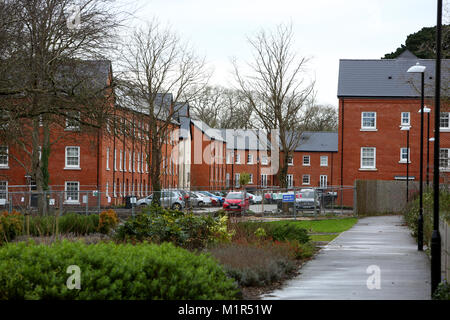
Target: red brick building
x,y
376,99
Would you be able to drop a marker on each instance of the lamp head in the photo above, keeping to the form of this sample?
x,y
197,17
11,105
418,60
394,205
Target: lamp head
x,y
417,68
405,128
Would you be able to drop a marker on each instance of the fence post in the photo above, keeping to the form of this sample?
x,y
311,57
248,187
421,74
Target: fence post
x,y
61,203
27,219
10,203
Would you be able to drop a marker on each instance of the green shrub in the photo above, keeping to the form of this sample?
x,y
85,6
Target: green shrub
x,y
107,221
10,225
160,225
442,292
78,224
411,213
110,271
276,231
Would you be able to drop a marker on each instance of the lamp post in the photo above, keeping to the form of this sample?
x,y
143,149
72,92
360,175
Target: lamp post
x,y
406,128
436,237
420,69
428,111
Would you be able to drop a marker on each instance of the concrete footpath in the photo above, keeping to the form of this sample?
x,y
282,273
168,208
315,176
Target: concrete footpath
x,y
376,259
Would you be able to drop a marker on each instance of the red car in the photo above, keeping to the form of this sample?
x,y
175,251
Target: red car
x,y
234,201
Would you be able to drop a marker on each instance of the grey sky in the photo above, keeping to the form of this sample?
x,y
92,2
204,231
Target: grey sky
x,y
325,30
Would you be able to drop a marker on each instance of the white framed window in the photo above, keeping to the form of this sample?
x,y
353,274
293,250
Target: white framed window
x,y
4,157
107,189
73,120
138,162
107,158
130,161
324,161
264,180
444,159
251,178
264,160
115,160
406,119
405,155
249,159
72,189
120,160
228,179
368,158
290,180
229,158
4,190
125,160
444,121
323,181
238,158
72,157
306,160
290,161
306,179
369,120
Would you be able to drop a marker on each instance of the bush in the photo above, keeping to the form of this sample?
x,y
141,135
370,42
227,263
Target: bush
x,y
442,292
275,231
160,225
411,213
10,225
69,223
110,271
107,221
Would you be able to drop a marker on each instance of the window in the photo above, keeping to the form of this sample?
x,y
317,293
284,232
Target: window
x,y
228,179
264,161
406,120
368,158
323,181
107,158
290,161
251,178
129,162
249,159
324,161
107,189
124,160
115,160
306,160
237,176
229,158
306,179
4,190
405,154
72,157
290,180
369,120
72,189
444,159
120,160
264,180
238,158
4,158
445,121
73,121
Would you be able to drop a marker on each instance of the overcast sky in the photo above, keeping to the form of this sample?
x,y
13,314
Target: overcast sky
x,y
325,30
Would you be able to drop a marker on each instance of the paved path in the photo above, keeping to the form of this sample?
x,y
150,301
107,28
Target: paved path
x,y
339,270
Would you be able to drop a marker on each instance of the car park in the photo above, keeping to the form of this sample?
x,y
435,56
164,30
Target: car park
x,y
199,200
215,200
254,199
169,199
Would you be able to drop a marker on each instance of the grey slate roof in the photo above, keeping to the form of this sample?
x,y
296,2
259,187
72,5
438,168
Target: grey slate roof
x,y
207,130
318,142
241,139
387,77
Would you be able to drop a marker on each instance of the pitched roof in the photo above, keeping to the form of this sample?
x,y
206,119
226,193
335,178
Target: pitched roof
x,y
207,130
387,77
318,142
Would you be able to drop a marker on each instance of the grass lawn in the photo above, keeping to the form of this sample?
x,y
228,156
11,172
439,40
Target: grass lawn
x,y
323,226
323,237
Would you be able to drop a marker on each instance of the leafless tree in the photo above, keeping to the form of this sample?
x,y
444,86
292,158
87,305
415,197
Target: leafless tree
x,y
161,72
277,88
221,107
319,118
44,76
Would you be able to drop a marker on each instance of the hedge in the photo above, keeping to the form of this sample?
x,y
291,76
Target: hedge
x,y
111,271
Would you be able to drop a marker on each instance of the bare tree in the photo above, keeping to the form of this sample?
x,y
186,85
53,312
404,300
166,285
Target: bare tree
x,y
319,118
44,79
161,73
276,87
221,107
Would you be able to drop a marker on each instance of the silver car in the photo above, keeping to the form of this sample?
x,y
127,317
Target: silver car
x,y
169,199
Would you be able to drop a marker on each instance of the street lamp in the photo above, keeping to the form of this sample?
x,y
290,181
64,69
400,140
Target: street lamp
x,y
436,237
420,69
428,111
406,128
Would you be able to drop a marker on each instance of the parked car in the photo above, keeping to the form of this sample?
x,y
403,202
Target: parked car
x,y
169,198
254,198
235,201
307,199
199,200
215,200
